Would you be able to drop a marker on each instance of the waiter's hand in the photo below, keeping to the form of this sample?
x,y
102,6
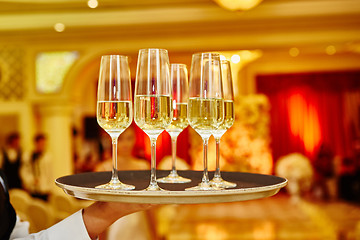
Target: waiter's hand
x,y
100,215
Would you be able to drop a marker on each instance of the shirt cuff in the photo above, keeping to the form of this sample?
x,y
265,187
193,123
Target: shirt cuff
x,y
21,229
72,227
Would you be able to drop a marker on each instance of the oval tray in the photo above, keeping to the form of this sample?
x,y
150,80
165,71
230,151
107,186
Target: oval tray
x,y
249,186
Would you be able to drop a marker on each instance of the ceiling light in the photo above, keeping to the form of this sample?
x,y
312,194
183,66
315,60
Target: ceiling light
x,y
238,5
235,58
92,3
59,27
330,50
294,52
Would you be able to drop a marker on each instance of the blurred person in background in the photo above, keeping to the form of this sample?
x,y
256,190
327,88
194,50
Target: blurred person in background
x,y
37,170
11,160
347,179
325,175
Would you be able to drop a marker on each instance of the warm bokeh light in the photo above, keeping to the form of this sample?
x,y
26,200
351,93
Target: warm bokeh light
x,y
238,5
210,231
294,52
304,121
235,58
59,27
264,230
92,3
222,57
330,50
240,58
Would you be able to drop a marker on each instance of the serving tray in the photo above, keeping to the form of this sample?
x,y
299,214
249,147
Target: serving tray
x,y
249,186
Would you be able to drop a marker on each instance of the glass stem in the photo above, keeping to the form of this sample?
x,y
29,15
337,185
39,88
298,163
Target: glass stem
x,y
114,176
205,178
173,153
217,173
153,162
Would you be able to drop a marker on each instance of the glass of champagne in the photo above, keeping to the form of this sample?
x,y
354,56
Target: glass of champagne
x,y
153,111
229,118
114,107
180,95
206,105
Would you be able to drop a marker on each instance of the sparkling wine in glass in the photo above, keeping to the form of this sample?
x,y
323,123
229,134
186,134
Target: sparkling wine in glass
x,y
206,105
229,118
114,107
180,95
153,110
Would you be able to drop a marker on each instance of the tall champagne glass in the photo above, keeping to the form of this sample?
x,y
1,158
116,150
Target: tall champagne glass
x,y
153,111
205,103
229,118
180,95
114,107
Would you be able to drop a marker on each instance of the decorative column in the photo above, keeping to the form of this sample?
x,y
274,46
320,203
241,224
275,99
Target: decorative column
x,y
56,123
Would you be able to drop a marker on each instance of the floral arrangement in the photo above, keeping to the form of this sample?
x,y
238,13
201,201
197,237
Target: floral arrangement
x,y
245,146
298,170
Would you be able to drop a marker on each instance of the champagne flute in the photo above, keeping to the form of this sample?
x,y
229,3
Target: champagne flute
x,y
114,107
180,95
153,111
206,106
229,118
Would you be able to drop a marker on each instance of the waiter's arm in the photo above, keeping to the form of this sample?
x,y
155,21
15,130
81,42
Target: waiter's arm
x,y
101,215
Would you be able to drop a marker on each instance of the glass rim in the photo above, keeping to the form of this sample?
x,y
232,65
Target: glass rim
x,y
151,49
206,53
114,55
225,61
178,64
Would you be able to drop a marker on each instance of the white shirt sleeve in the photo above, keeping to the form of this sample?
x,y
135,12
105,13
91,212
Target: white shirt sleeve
x,y
72,227
20,230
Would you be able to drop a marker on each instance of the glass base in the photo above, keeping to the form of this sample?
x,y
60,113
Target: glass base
x,y
204,186
153,187
173,177
221,183
115,184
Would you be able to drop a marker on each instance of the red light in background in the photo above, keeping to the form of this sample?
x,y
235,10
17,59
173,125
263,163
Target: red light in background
x,y
304,122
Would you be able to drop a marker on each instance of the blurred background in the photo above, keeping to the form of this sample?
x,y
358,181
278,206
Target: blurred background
x,y
296,73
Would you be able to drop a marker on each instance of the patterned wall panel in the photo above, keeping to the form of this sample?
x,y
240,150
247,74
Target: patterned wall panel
x,y
12,79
